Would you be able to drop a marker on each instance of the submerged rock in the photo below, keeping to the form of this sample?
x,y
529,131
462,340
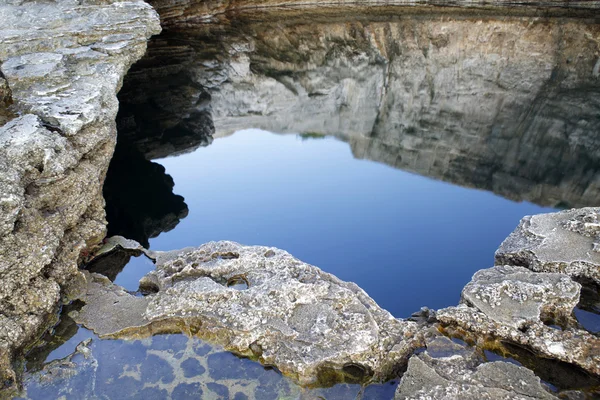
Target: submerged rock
x,y
567,242
309,324
72,377
64,61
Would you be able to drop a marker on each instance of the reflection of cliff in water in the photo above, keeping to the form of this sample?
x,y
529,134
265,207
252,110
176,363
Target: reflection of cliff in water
x,y
160,115
140,203
508,105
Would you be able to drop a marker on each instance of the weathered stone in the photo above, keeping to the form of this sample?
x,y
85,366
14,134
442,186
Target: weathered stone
x,y
516,297
194,13
526,315
565,242
307,323
458,377
64,62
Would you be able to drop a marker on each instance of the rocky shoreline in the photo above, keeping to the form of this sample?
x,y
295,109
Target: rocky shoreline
x,y
61,65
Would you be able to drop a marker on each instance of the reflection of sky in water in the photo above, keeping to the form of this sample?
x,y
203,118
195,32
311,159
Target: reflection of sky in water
x,y
407,240
176,367
137,267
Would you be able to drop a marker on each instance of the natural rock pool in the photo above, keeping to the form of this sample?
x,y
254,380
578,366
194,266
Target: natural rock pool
x,y
396,150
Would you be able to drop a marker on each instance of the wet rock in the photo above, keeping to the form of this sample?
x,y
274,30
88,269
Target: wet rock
x,y
192,367
187,391
156,369
220,390
522,307
454,378
516,297
307,323
565,242
64,63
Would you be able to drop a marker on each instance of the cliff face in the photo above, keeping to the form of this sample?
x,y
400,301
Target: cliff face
x,y
193,13
64,63
505,104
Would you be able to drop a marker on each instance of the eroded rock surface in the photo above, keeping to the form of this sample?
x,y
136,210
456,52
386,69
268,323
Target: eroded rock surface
x,y
450,371
514,296
567,242
64,61
259,302
193,13
531,309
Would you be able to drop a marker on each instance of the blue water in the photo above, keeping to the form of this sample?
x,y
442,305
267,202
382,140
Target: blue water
x,y
407,240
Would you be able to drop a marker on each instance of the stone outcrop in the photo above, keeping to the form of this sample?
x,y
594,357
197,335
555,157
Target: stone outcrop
x,y
64,61
259,302
447,370
456,98
567,242
194,13
533,308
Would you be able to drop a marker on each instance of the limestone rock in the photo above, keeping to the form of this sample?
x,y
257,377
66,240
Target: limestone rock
x,y
565,242
516,297
526,308
190,13
459,377
63,62
259,302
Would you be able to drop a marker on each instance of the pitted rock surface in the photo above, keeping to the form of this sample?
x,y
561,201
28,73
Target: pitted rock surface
x,y
288,313
61,64
520,306
464,377
526,306
517,297
565,242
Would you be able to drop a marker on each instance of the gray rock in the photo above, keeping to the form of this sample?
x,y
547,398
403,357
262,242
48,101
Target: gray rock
x,y
447,370
193,13
565,242
516,297
571,345
428,378
63,62
259,302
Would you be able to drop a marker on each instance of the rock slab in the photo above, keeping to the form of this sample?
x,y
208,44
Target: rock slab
x,y
263,303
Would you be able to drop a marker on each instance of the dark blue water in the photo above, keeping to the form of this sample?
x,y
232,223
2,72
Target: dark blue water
x,y
407,240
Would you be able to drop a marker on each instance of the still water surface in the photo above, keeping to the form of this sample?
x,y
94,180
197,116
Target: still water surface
x,y
407,240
